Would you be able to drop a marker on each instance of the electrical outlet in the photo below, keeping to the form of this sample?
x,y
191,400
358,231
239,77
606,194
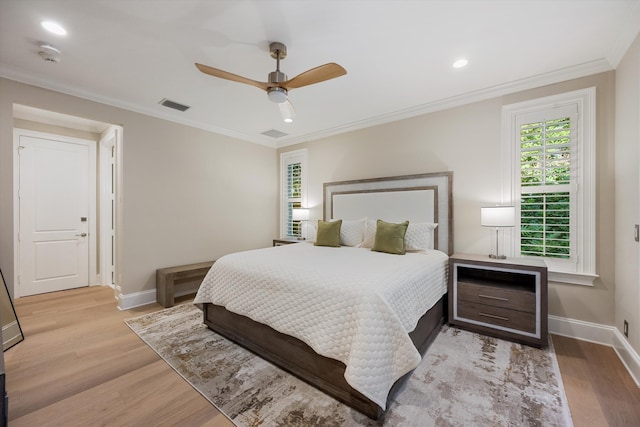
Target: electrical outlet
x,y
625,329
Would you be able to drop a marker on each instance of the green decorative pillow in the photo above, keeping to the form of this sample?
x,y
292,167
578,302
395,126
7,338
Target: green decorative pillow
x,y
328,233
390,237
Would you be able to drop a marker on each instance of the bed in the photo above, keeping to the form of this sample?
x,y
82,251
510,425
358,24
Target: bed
x,y
350,321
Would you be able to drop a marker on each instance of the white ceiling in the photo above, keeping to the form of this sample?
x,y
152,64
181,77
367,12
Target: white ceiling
x,y
398,55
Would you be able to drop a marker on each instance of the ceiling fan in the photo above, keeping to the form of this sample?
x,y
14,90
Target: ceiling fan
x,y
278,86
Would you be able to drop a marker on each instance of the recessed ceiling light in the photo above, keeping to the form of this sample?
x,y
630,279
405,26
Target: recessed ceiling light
x,y
54,27
460,63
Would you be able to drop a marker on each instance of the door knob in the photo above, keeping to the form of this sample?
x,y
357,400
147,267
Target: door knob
x,y
82,235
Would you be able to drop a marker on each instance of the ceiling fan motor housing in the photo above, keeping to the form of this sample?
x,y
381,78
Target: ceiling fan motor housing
x,y
277,94
277,77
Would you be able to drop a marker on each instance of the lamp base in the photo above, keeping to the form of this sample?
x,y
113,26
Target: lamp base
x,y
497,256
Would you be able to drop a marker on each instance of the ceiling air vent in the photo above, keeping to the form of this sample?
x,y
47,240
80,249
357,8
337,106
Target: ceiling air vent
x,y
274,133
172,104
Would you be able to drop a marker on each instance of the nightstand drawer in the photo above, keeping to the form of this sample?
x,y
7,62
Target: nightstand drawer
x,y
495,296
512,319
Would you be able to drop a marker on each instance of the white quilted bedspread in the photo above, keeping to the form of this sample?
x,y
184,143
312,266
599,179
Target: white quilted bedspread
x,y
349,304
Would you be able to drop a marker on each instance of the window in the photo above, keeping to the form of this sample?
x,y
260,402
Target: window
x,y
549,157
546,188
294,190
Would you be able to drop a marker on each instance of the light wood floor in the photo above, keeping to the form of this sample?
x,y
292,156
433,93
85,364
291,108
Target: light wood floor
x,y
599,388
80,365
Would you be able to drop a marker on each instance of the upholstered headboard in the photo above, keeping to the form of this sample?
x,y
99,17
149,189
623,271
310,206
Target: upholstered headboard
x,y
417,198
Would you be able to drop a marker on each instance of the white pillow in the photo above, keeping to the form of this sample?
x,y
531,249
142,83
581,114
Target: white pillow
x,y
352,231
369,234
419,236
312,230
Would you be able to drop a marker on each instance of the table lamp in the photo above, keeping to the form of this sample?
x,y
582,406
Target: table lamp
x,y
498,217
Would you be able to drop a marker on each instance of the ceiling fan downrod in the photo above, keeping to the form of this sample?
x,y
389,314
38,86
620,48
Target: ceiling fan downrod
x,y
277,94
278,52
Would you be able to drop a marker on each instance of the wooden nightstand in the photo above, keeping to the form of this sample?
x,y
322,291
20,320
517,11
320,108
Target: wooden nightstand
x,y
503,298
286,241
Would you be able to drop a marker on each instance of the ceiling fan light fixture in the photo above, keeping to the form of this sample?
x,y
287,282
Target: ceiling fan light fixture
x,y
287,111
277,94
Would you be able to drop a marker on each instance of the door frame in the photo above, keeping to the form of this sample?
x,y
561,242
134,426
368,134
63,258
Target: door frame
x,y
93,278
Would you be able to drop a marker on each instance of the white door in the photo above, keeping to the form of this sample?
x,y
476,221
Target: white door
x,y
54,214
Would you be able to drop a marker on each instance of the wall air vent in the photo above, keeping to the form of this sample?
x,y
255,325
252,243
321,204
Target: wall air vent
x,y
172,104
274,133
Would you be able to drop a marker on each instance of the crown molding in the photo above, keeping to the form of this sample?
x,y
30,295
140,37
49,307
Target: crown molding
x,y
582,70
569,73
90,96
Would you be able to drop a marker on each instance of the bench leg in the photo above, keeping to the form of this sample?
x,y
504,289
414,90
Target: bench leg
x,y
165,290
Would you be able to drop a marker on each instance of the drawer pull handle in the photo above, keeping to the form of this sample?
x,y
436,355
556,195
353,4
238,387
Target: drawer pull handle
x,y
506,319
492,297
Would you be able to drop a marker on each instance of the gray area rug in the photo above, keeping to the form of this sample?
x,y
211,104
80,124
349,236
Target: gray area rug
x,y
464,379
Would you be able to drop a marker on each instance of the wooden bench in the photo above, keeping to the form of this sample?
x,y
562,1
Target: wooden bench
x,y
166,279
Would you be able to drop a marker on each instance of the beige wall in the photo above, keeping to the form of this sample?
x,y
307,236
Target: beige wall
x,y
189,195
627,177
467,141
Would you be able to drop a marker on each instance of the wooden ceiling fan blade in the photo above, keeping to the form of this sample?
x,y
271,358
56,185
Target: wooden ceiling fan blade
x,y
315,75
215,72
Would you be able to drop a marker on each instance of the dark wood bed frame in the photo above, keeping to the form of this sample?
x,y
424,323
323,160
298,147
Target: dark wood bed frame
x,y
296,357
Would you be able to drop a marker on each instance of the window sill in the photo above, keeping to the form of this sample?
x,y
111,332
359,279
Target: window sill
x,y
572,278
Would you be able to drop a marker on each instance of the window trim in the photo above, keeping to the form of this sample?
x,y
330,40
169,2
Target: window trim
x,y
585,100
286,159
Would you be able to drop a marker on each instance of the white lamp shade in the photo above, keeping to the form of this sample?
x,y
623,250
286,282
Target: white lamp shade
x,y
498,216
299,214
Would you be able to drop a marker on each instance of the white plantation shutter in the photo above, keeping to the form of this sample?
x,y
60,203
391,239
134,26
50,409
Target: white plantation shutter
x,y
293,192
294,197
549,148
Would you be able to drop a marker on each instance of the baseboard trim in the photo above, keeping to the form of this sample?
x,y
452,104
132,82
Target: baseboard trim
x,y
579,329
628,355
136,299
599,334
